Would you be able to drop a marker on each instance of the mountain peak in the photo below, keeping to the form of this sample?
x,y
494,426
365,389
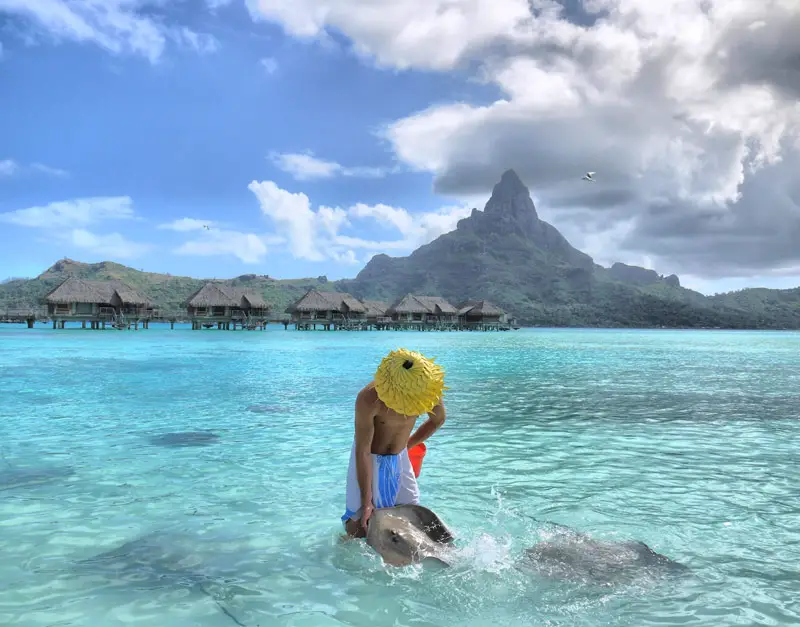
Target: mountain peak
x,y
64,265
511,202
511,182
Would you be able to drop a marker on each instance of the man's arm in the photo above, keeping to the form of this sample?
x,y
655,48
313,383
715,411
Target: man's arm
x,y
436,418
365,429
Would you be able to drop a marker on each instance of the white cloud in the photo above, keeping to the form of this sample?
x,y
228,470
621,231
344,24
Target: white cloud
x,y
187,224
416,229
305,167
431,34
8,167
247,247
270,65
212,240
66,222
112,245
293,218
46,169
72,213
317,235
202,43
687,110
118,26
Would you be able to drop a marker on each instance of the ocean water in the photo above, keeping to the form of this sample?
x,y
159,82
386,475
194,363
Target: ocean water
x,y
684,440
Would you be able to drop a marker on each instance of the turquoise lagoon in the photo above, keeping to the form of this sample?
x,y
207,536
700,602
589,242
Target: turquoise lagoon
x,y
685,440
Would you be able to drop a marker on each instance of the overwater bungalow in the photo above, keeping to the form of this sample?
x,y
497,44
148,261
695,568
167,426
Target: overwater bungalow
x,y
227,307
98,303
423,312
376,313
330,310
481,315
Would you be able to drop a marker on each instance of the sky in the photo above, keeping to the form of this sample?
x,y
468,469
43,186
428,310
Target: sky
x,y
214,138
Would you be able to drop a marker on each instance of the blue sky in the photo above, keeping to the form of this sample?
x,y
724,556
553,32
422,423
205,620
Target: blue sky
x,y
222,137
183,136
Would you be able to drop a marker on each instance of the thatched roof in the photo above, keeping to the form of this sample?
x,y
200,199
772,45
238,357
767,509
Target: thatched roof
x,y
210,295
242,297
221,295
375,307
314,300
256,300
413,304
435,301
74,290
480,308
130,296
353,304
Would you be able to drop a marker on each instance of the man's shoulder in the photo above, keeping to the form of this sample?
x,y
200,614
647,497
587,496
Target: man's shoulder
x,y
368,394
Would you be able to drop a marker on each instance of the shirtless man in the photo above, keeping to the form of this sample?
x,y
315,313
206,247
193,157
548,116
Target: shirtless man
x,y
406,385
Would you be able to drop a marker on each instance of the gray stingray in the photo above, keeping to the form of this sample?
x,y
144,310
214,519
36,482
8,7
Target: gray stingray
x,y
184,438
571,555
157,561
11,478
408,534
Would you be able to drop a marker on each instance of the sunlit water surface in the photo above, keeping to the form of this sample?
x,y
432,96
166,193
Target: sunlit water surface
x,y
685,440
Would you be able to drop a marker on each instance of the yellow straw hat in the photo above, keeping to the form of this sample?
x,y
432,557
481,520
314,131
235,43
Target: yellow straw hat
x,y
409,383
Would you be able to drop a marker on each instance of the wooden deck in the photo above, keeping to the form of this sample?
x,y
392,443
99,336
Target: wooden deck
x,y
325,324
108,318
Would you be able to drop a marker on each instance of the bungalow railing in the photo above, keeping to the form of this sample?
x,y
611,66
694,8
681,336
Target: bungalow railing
x,y
13,313
107,313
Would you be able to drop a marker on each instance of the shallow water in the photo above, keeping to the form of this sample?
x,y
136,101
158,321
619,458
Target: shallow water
x,y
685,440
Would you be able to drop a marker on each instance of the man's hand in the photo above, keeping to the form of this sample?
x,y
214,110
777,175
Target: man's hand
x,y
365,516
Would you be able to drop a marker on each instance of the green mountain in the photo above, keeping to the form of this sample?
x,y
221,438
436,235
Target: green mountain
x,y
504,254
508,255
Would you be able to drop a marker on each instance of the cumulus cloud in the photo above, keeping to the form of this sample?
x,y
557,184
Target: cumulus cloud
x,y
305,167
688,111
118,26
318,235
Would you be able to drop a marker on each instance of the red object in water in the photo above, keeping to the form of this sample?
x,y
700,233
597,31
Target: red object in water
x,y
415,454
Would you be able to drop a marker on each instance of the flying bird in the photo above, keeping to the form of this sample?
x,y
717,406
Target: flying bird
x,y
588,177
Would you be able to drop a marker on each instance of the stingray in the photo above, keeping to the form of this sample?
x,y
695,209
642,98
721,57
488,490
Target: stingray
x,y
12,478
577,557
180,439
154,562
408,534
